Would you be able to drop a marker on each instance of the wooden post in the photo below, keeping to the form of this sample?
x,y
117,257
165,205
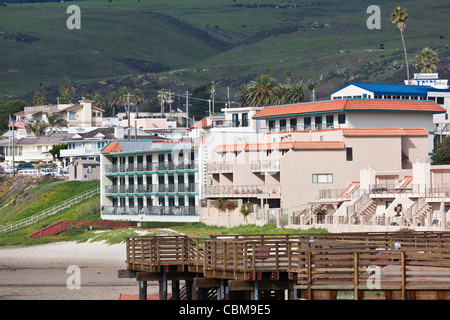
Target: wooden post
x,y
188,285
403,266
175,289
355,273
309,276
163,287
142,290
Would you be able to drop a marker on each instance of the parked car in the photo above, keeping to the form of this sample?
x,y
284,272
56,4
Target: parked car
x,y
2,170
25,166
31,172
50,171
9,169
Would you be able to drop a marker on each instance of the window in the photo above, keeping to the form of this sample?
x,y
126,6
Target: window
x,y
341,118
271,125
245,119
330,121
293,124
318,121
72,115
322,178
440,100
307,123
282,124
349,152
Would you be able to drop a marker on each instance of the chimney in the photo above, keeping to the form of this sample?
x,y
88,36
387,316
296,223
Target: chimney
x,y
119,133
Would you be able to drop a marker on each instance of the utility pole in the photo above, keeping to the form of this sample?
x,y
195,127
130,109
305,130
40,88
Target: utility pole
x,y
128,114
213,93
12,127
187,108
228,95
209,103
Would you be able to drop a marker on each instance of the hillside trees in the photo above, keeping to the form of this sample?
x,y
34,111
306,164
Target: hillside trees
x,y
66,91
265,91
426,60
441,153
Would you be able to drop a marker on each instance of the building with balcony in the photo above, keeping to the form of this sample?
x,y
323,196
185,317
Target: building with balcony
x,y
313,146
150,181
422,87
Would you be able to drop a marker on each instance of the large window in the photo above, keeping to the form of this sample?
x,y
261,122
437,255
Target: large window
x,y
322,178
341,118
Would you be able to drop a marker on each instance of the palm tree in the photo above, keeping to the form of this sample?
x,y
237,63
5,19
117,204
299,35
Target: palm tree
x,y
54,121
427,59
38,99
113,101
99,101
138,98
259,92
163,96
399,16
37,128
295,94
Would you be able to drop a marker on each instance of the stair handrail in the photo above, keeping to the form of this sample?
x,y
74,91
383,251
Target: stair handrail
x,y
50,211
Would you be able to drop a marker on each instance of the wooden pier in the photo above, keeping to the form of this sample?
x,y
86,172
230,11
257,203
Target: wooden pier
x,y
359,266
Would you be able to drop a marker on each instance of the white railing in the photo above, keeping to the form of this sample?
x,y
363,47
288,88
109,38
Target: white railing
x,y
50,211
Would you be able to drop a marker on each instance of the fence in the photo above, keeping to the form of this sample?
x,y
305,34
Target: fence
x,y
50,211
402,261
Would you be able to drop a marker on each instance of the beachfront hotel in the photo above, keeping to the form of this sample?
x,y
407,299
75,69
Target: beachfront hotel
x,y
150,181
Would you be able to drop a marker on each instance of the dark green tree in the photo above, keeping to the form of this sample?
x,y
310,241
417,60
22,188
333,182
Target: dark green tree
x,y
442,152
66,91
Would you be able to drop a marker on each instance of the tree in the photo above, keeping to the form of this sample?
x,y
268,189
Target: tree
x,y
99,101
66,91
56,150
427,60
54,121
399,16
265,91
37,128
113,101
8,109
441,153
39,99
138,99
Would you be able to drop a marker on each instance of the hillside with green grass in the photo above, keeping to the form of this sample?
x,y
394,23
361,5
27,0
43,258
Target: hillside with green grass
x,y
180,45
22,197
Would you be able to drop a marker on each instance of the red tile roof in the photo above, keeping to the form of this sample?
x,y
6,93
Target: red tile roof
x,y
350,105
281,146
319,145
384,132
112,147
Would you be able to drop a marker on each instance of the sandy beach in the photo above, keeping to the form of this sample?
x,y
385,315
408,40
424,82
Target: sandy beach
x,y
54,271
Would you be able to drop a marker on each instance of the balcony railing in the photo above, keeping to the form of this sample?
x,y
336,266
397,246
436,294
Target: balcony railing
x,y
152,188
230,124
150,210
243,190
216,167
265,165
150,167
308,127
413,190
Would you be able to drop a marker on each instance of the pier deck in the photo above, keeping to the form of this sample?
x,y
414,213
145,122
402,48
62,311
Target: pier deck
x,y
308,266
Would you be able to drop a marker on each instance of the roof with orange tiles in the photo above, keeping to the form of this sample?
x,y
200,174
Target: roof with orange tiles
x,y
281,146
384,132
112,147
341,105
319,145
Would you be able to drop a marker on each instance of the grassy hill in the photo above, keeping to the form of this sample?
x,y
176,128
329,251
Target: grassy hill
x,y
178,44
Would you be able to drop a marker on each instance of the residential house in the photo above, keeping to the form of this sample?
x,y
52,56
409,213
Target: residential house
x,y
81,114
84,170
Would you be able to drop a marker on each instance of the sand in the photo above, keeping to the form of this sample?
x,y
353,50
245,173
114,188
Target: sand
x,y
65,271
